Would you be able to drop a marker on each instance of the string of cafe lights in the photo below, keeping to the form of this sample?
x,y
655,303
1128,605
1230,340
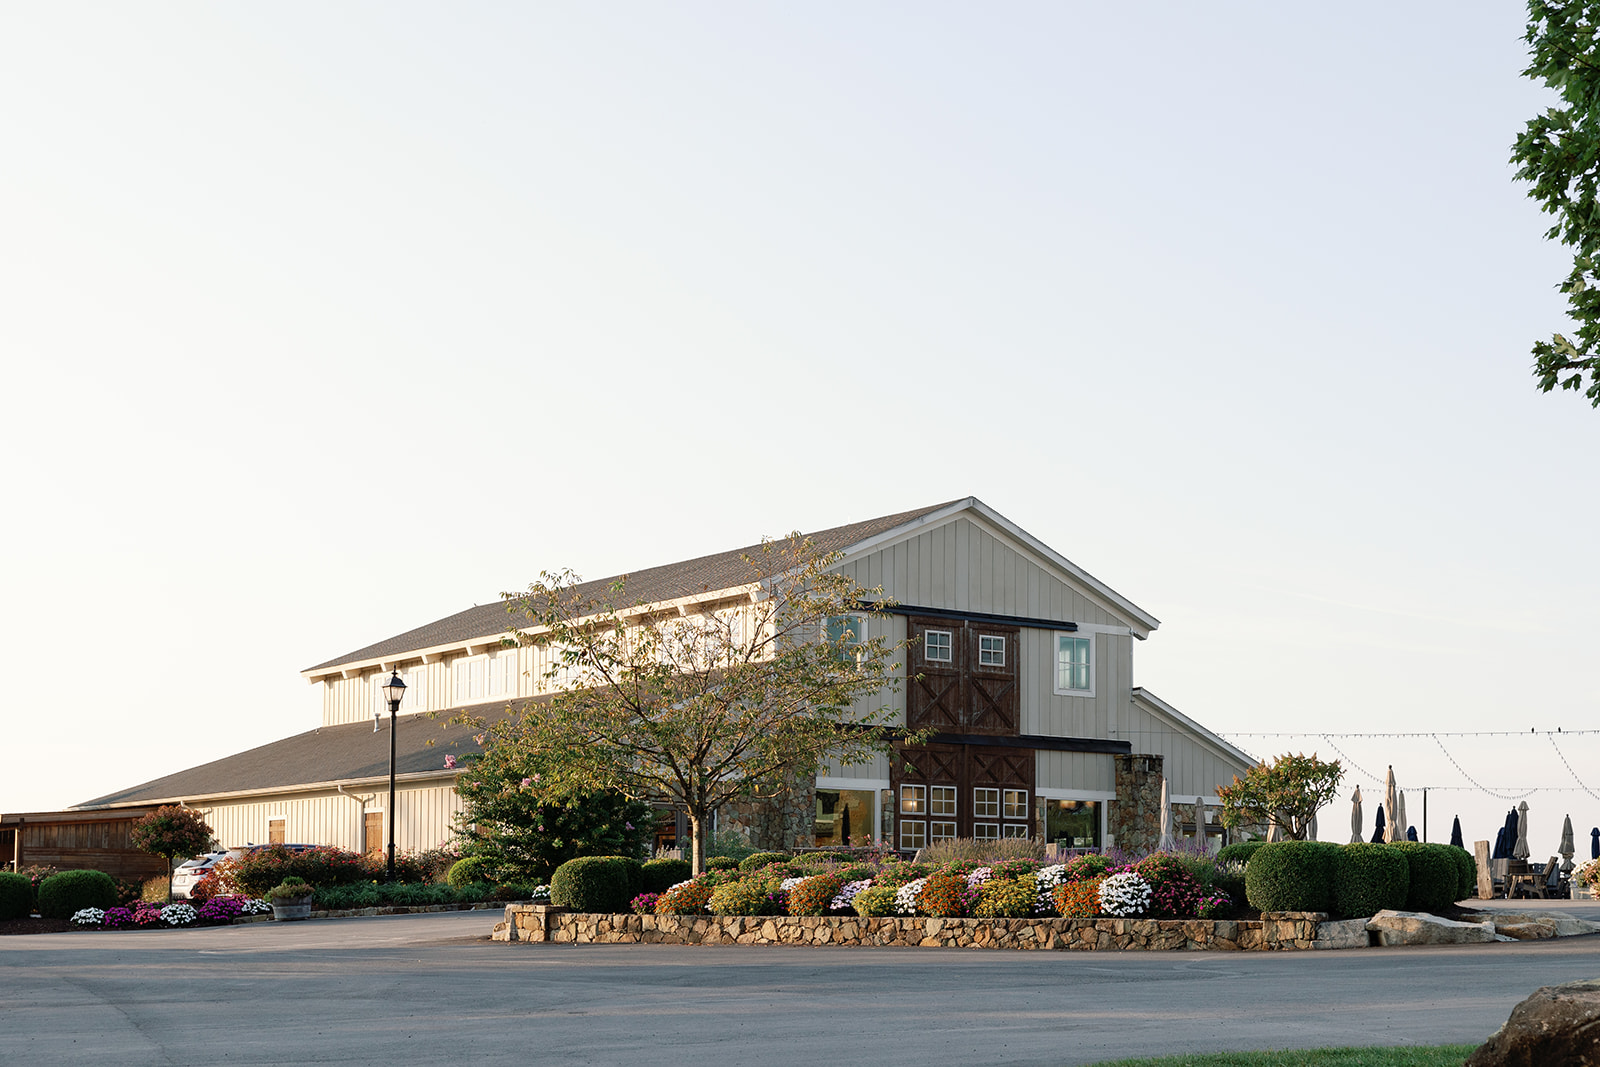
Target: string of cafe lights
x,y
1498,792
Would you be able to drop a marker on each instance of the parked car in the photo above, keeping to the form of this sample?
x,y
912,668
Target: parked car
x,y
191,871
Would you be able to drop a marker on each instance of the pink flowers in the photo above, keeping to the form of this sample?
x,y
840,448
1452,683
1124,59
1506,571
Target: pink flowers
x,y
449,763
627,826
526,782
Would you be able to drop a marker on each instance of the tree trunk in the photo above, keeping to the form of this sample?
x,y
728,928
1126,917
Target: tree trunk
x,y
698,827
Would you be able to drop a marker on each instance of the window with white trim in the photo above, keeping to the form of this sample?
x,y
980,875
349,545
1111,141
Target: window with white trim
x,y
986,831
490,675
986,803
414,698
1017,829
1074,654
942,800
991,650
914,799
942,831
1016,804
936,646
845,633
913,834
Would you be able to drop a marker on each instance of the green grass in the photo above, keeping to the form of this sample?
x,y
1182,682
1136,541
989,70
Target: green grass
x,y
1413,1056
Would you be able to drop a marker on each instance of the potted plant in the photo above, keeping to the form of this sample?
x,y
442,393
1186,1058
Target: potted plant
x,y
291,899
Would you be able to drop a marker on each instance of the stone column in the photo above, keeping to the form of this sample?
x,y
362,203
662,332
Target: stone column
x,y
1134,820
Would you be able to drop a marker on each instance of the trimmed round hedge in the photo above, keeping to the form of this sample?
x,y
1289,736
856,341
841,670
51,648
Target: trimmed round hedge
x,y
722,863
1435,877
661,875
468,870
62,895
16,896
761,859
597,883
1291,876
1367,878
1466,871
1240,852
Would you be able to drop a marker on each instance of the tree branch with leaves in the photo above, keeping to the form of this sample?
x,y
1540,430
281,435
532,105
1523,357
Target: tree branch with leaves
x,y
699,705
1289,792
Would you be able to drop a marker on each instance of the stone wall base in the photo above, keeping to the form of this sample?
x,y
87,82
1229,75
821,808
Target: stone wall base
x,y
531,923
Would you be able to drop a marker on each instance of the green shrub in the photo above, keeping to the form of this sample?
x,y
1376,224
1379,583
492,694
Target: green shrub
x,y
1006,898
1239,852
1291,876
1466,873
722,863
60,895
1087,867
1367,878
16,896
855,872
875,901
1229,878
466,871
1434,876
812,896
661,875
761,859
595,883
747,896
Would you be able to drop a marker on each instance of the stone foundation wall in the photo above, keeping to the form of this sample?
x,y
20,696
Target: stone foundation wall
x,y
1275,931
782,824
1134,819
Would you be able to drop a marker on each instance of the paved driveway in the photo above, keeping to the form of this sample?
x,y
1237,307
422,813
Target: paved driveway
x,y
430,988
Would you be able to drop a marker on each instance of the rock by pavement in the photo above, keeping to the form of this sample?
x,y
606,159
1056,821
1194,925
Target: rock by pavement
x,y
1558,1024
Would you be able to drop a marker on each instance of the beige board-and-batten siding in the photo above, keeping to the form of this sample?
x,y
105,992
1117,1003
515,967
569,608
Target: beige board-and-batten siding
x,y
425,814
1192,763
962,566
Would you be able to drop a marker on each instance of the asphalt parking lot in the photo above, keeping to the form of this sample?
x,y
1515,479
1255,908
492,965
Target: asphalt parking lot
x,y
432,988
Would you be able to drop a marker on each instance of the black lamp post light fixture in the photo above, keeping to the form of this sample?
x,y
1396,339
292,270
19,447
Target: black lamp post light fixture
x,y
393,692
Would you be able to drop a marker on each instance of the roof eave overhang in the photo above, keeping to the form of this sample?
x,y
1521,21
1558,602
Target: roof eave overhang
x,y
302,787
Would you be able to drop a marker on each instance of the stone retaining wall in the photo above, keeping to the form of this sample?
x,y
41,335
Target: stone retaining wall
x,y
1275,931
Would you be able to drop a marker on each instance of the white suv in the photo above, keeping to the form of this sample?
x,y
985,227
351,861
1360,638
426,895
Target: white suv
x,y
191,871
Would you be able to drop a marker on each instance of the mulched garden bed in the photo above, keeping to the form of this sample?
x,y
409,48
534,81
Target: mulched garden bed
x,y
35,926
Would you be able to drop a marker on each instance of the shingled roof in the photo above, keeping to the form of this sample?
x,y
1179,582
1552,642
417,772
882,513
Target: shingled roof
x,y
352,751
669,582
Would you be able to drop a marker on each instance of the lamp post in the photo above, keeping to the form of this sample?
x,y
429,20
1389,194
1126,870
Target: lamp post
x,y
394,691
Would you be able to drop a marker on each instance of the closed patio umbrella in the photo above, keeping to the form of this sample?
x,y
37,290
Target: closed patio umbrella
x,y
1594,843
1510,830
1200,824
1379,829
1391,804
1455,833
1355,816
1411,833
1520,850
1501,850
1166,818
1567,847
1402,825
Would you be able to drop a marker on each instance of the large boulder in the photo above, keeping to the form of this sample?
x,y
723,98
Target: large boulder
x,y
1558,1024
1420,928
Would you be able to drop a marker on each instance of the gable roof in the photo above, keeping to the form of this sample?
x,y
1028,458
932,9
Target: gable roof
x,y
1161,709
345,754
721,570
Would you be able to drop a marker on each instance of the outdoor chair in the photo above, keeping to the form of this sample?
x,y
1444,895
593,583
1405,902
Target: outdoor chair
x,y
1545,884
1497,870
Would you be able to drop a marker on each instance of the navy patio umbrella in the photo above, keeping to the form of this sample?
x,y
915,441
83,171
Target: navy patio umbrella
x,y
1377,834
1455,833
1411,833
1594,843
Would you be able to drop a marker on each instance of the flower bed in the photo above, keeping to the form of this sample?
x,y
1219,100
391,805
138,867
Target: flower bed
x,y
144,915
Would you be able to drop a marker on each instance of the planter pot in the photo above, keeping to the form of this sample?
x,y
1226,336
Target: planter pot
x,y
283,910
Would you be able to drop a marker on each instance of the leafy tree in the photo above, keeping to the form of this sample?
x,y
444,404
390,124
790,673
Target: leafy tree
x,y
1288,792
746,700
1558,153
170,832
523,830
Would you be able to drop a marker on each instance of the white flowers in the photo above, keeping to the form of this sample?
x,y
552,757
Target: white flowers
x,y
1124,894
1047,879
979,876
254,906
847,893
905,901
178,915
87,917
789,883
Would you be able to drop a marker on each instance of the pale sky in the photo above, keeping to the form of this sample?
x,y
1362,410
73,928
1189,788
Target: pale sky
x,y
323,321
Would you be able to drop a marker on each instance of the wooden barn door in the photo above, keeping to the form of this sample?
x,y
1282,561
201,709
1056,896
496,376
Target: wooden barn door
x,y
955,790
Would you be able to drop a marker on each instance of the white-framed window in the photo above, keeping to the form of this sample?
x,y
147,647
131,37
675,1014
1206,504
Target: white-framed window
x,y
1016,804
914,799
936,646
490,675
986,831
913,834
991,650
844,631
414,698
942,831
942,800
1074,655
1016,830
986,803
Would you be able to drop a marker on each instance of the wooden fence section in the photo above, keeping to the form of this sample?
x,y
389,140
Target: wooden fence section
x,y
79,840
